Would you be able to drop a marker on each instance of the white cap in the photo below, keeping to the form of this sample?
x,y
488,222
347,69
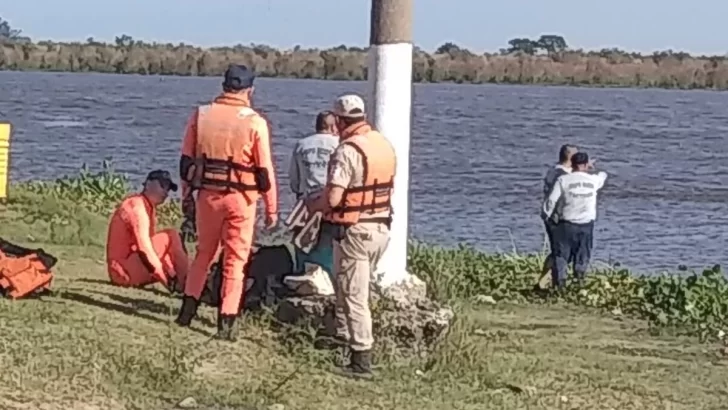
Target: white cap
x,y
350,106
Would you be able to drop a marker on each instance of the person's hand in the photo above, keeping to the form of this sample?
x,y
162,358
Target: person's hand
x,y
271,220
591,163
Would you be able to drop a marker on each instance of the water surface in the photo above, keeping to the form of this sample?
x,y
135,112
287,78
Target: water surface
x,y
478,152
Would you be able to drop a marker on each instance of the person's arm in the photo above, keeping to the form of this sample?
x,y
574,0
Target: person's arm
x,y
548,181
340,175
188,152
294,176
549,205
601,178
140,223
264,160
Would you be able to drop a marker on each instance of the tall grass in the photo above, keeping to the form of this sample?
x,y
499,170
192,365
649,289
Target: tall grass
x,y
76,208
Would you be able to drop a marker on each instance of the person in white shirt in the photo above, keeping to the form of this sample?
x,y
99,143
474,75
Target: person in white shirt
x,y
307,174
575,196
562,167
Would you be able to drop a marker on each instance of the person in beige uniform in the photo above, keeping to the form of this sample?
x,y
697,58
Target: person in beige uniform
x,y
357,205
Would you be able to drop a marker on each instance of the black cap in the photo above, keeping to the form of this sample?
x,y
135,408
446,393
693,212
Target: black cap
x,y
580,158
238,77
164,179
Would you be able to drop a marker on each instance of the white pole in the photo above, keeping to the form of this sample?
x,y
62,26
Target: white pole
x,y
390,101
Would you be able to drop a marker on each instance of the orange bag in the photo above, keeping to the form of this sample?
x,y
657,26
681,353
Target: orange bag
x,y
21,276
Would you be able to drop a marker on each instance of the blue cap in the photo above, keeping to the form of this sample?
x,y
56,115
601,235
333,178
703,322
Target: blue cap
x,y
164,179
238,77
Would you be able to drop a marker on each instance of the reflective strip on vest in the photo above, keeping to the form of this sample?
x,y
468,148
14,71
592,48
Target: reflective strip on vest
x,y
375,195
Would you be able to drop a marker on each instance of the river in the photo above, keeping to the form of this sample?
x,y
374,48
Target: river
x,y
478,152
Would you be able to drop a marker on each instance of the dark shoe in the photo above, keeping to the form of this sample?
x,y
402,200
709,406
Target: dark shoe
x,y
227,328
187,312
360,366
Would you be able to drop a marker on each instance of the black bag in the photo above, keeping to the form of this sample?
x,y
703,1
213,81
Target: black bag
x,y
266,267
18,251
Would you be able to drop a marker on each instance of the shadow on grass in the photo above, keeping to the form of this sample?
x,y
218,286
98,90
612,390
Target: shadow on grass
x,y
109,284
127,310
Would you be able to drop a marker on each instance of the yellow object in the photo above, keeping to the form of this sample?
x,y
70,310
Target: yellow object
x,y
6,131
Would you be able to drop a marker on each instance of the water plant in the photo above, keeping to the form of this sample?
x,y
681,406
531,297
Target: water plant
x,y
689,302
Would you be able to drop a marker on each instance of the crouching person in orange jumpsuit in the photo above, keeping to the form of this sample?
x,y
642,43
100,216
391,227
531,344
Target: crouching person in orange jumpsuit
x,y
136,255
226,159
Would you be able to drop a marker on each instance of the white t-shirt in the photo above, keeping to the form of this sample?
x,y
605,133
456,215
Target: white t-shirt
x,y
576,196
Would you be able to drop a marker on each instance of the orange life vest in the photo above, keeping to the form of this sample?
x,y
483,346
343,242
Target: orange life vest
x,y
21,276
359,204
225,157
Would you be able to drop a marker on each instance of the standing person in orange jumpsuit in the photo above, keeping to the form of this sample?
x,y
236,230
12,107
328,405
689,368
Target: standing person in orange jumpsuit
x,y
136,255
226,159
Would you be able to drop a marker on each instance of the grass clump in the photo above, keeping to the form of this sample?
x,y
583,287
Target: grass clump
x,y
91,345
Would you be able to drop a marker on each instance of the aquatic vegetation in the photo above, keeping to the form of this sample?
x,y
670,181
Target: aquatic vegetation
x,y
689,302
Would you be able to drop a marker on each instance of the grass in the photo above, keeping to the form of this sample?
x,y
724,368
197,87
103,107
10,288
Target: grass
x,y
94,346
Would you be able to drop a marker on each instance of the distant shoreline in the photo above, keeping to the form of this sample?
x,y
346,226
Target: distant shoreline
x,y
606,68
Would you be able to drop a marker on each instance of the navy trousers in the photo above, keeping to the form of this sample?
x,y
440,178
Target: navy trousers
x,y
550,227
572,243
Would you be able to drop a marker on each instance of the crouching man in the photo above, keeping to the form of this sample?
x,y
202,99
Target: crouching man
x,y
576,195
137,255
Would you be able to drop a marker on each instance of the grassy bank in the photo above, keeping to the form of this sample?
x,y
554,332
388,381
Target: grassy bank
x,y
605,68
620,342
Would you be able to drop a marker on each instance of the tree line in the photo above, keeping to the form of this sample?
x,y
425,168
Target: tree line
x,y
547,60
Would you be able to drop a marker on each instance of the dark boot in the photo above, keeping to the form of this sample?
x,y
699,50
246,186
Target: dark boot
x,y
227,328
187,312
360,366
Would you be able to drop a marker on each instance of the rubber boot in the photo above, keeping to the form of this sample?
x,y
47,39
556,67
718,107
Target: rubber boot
x,y
227,328
187,312
360,366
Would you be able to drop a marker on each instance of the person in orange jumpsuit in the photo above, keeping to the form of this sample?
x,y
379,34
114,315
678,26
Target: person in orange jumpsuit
x,y
226,160
136,255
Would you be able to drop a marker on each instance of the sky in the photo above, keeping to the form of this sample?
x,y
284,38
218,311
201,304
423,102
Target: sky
x,y
480,25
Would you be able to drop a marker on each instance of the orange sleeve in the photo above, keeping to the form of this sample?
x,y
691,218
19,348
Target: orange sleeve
x,y
264,159
141,224
189,145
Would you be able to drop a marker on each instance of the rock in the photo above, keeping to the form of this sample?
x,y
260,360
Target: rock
x,y
404,294
405,321
316,311
187,403
484,300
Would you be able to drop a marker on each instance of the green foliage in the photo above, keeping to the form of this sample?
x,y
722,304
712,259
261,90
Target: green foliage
x,y
74,207
523,45
694,303
7,33
549,42
521,62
